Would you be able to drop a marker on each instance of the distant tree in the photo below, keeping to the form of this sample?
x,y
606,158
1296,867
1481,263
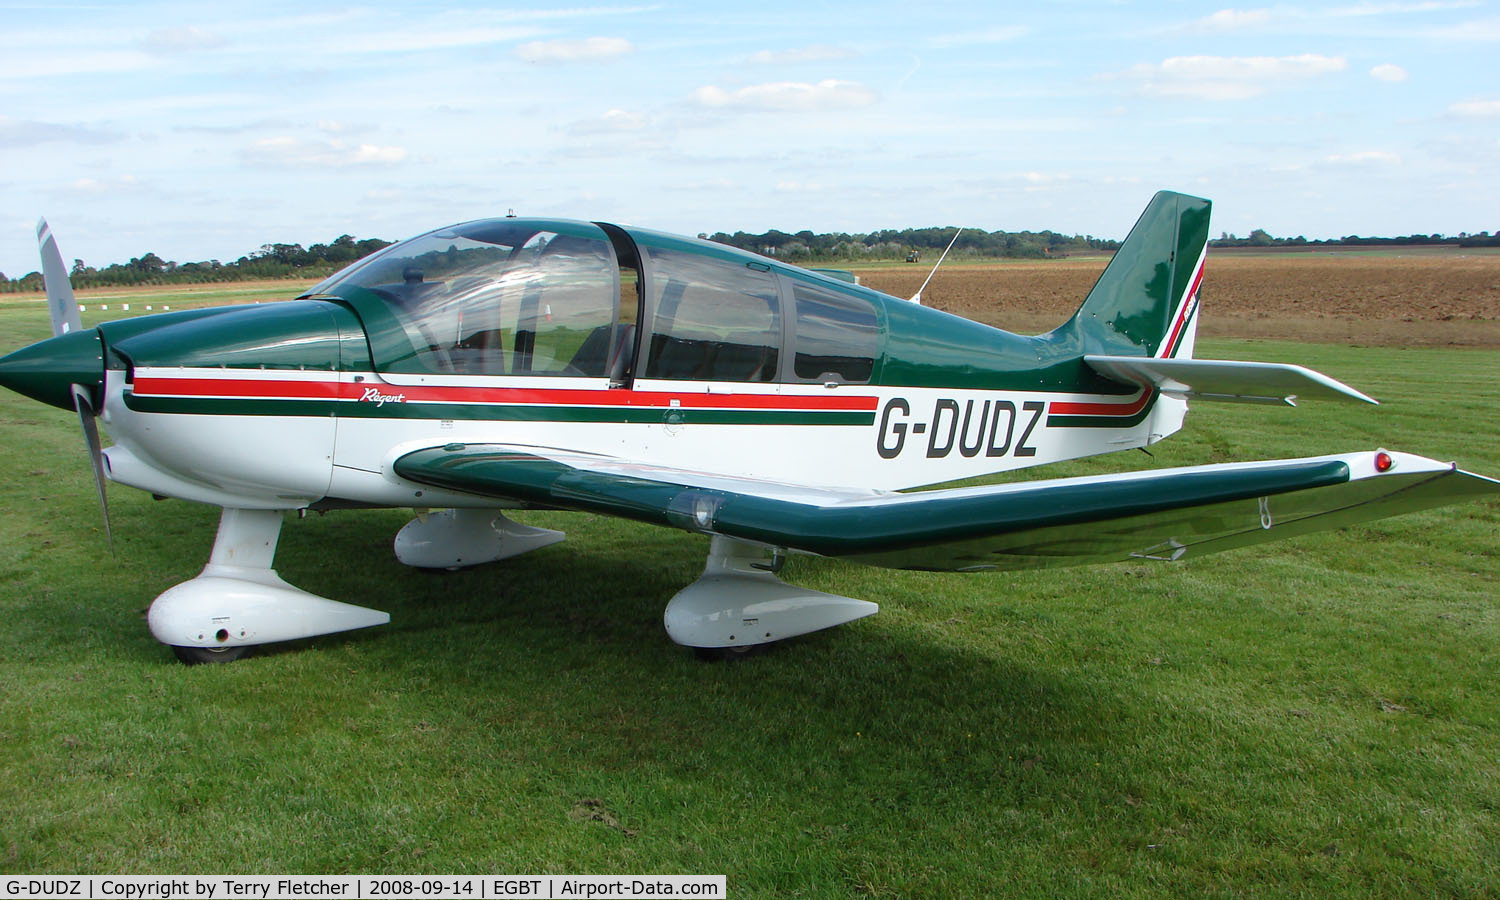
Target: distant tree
x,y
1261,238
150,263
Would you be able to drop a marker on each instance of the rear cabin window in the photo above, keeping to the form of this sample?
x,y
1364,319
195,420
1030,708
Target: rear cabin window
x,y
837,336
714,319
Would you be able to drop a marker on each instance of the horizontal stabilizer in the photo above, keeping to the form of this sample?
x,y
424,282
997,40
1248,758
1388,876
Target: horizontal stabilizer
x,y
1224,379
1167,514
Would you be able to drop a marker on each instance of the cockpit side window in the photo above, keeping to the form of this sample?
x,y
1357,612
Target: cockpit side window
x,y
713,319
493,298
566,312
837,336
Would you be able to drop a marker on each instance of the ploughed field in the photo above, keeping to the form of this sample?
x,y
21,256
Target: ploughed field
x,y
1423,299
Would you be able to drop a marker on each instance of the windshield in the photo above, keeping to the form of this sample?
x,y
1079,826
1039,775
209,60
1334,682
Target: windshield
x,y
495,297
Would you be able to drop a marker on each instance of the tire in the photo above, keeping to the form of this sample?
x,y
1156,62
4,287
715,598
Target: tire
x,y
730,654
196,656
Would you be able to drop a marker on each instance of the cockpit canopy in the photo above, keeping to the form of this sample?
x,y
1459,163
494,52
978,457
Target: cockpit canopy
x,y
494,297
546,297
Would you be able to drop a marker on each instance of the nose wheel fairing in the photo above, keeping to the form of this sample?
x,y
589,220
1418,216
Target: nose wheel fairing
x,y
239,600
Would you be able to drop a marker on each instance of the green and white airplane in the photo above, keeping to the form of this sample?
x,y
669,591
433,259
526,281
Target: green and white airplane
x,y
519,363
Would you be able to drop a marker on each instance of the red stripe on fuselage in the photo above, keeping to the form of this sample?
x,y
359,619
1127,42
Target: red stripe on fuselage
x,y
236,387
1073,408
354,391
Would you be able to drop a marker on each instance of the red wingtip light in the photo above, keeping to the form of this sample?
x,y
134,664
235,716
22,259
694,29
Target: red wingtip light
x,y
1383,461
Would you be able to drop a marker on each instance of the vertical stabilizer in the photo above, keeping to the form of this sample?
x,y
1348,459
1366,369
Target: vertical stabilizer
x,y
1146,302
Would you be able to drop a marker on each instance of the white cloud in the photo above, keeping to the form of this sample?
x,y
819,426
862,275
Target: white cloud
x,y
182,39
788,95
1385,9
1001,35
48,62
813,53
1473,30
291,152
712,184
415,40
1044,177
1476,108
1234,19
565,51
1229,77
1388,72
1366,157
25,133
614,121
94,187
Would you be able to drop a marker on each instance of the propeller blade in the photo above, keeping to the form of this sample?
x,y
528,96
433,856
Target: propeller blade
x,y
60,300
85,407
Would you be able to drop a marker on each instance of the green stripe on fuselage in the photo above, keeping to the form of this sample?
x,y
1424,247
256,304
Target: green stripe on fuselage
x,y
221,406
1071,421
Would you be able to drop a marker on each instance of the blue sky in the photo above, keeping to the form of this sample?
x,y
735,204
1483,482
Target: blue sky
x,y
201,131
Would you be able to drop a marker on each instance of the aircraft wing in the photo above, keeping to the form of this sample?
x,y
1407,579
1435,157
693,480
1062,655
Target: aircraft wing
x,y
1166,514
1224,379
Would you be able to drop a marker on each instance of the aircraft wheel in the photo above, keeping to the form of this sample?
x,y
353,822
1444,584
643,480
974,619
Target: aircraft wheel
x,y
194,656
725,654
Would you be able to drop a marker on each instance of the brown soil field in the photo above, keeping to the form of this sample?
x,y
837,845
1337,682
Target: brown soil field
x,y
1350,298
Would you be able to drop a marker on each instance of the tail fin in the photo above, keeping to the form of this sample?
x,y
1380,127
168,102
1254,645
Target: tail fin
x,y
1146,302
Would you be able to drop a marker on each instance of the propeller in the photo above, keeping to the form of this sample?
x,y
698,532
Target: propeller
x,y
64,309
60,301
86,416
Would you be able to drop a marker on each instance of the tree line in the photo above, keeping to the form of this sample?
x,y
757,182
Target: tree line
x,y
270,261
1260,238
294,261
892,244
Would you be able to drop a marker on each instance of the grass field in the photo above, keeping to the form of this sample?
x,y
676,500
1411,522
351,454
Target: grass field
x,y
1314,718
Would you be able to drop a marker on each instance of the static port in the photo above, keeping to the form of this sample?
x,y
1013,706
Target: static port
x,y
221,635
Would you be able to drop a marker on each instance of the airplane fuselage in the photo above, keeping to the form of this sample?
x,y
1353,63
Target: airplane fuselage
x,y
286,439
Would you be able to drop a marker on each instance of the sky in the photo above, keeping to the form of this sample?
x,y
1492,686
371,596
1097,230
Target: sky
x,y
202,131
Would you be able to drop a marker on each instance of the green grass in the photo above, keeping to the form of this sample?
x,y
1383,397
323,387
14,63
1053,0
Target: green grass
x,y
178,297
1315,718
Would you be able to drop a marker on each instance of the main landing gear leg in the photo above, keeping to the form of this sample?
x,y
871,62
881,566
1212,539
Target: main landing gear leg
x,y
238,600
458,538
738,602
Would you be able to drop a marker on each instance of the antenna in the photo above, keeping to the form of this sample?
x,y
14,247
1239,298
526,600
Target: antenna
x,y
917,297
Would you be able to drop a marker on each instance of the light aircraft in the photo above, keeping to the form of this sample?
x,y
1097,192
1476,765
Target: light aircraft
x,y
516,363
